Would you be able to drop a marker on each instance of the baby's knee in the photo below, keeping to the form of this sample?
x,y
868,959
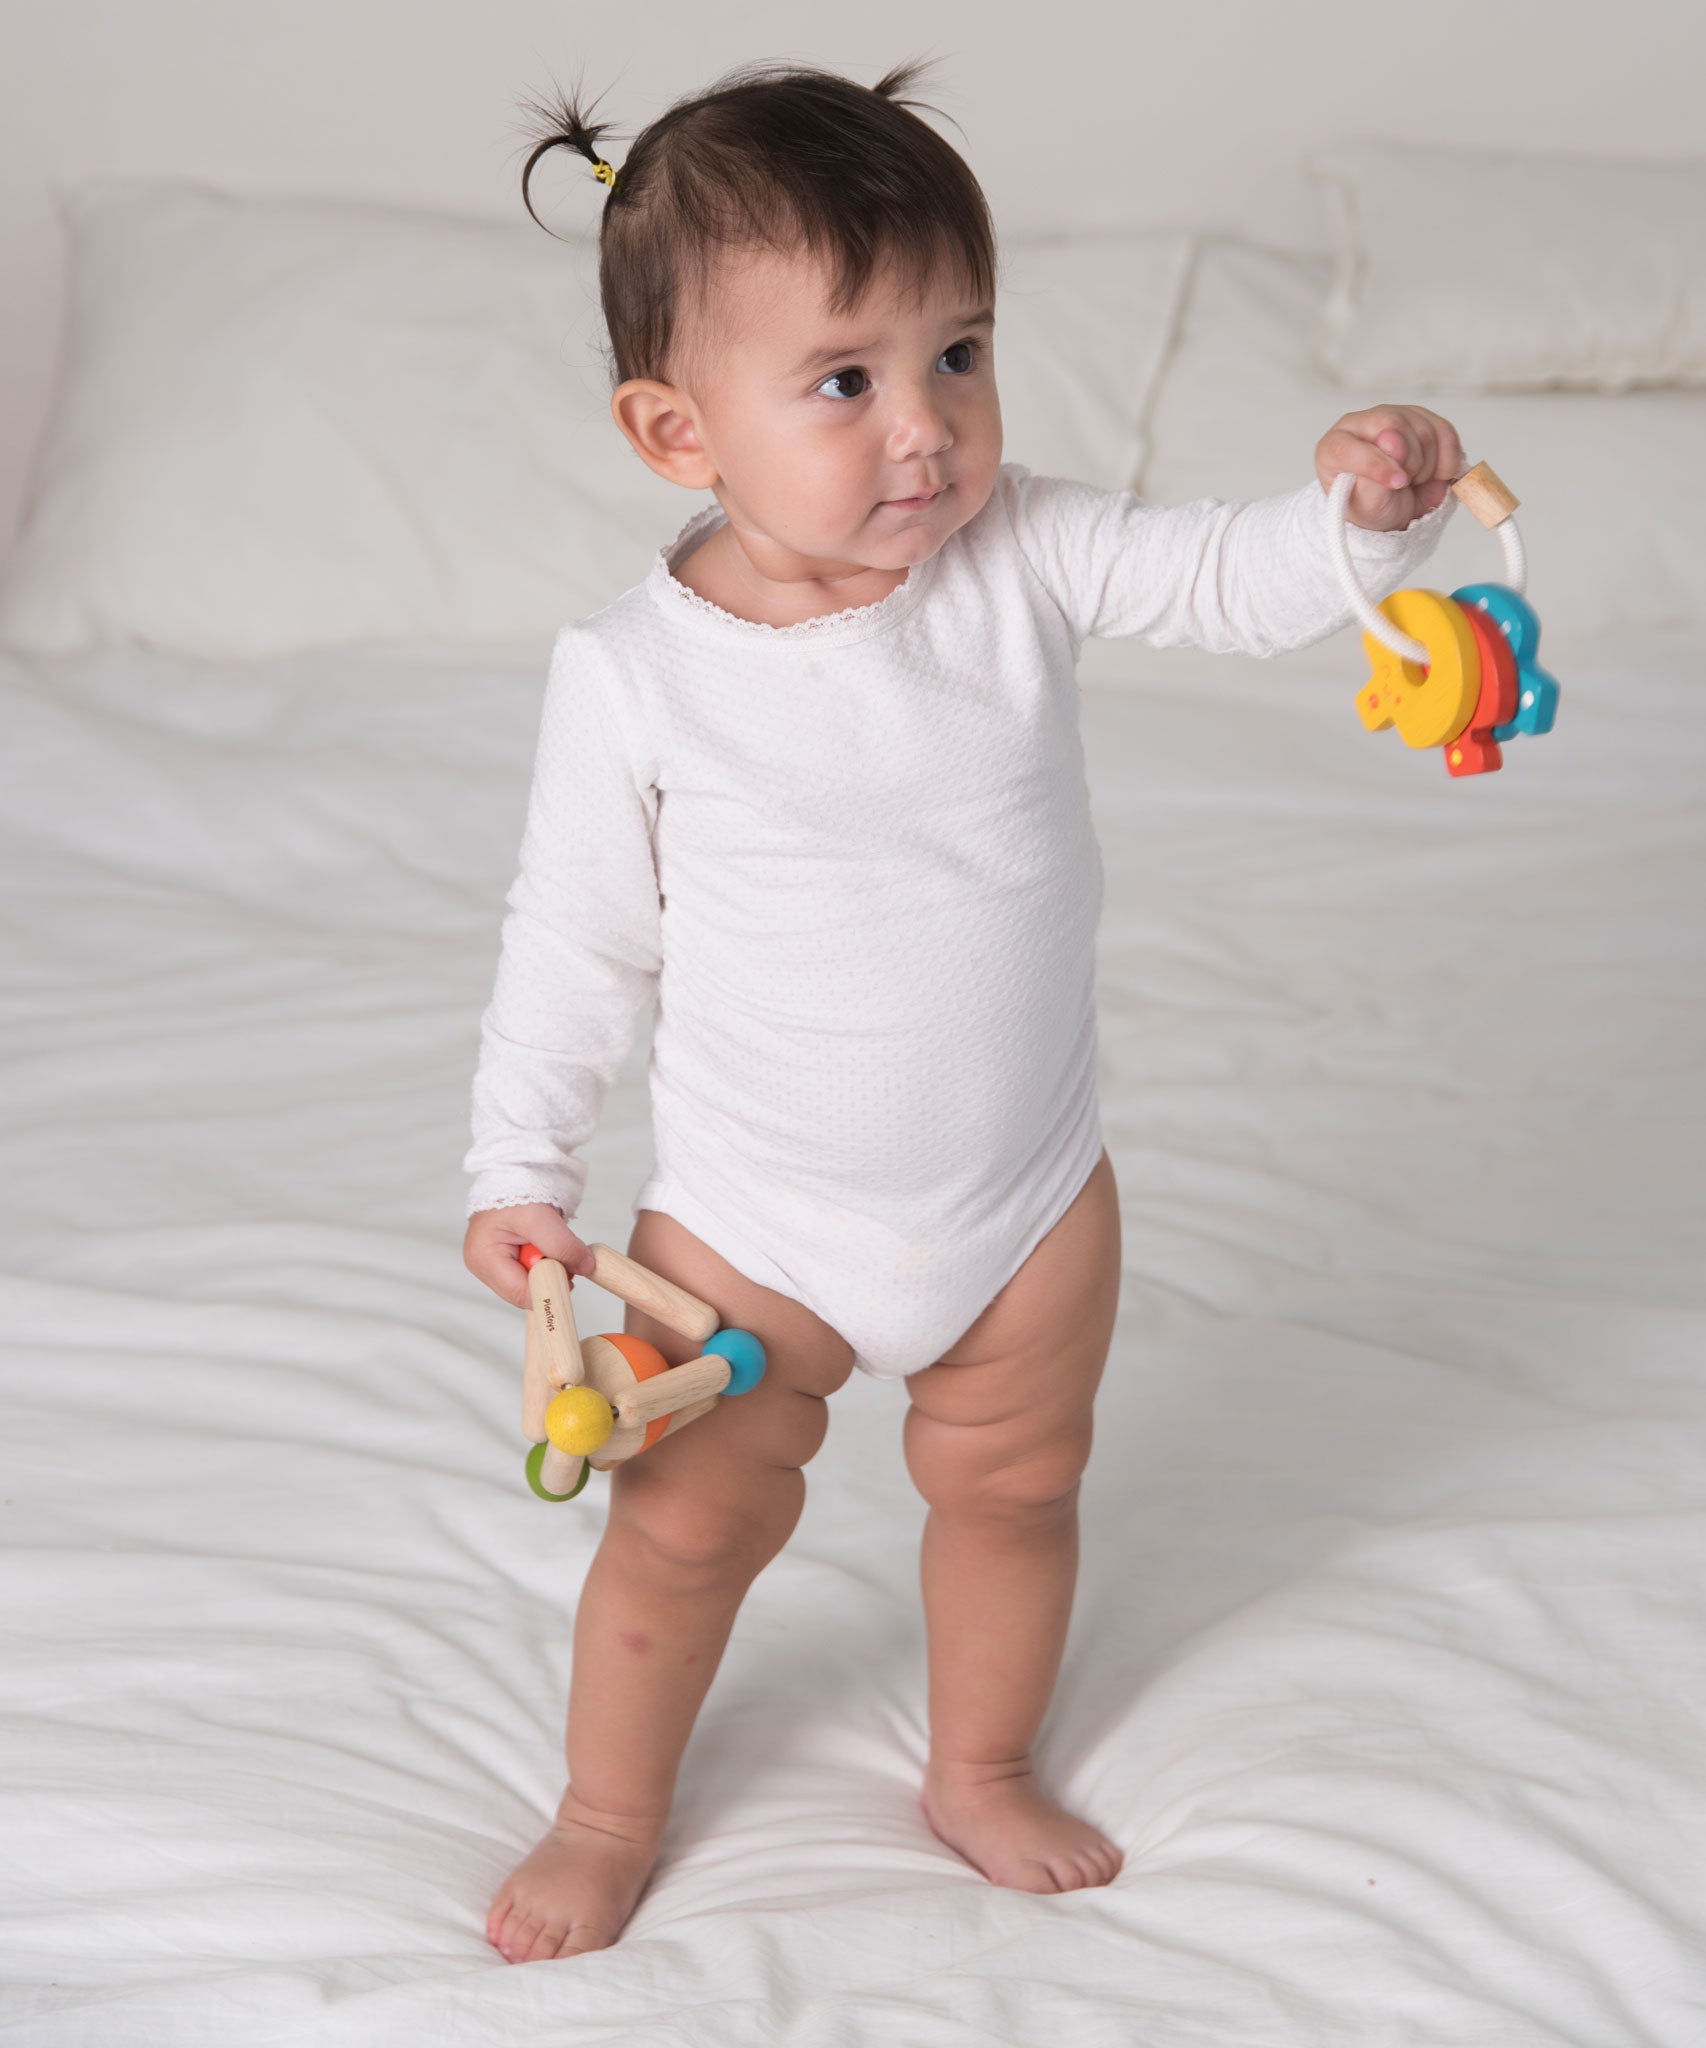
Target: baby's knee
x,y
707,1535
962,1469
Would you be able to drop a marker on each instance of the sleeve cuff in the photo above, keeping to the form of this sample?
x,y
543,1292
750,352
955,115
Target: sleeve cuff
x,y
1370,545
505,1189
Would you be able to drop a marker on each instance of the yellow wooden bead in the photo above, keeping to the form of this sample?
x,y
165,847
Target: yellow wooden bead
x,y
1428,706
579,1420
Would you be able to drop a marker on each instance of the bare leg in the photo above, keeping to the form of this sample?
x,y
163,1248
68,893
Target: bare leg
x,y
692,1522
996,1441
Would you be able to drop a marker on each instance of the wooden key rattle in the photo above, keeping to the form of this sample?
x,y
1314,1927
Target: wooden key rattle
x,y
590,1403
1455,672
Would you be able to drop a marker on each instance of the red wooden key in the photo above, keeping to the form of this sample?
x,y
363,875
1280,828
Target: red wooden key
x,y
1475,751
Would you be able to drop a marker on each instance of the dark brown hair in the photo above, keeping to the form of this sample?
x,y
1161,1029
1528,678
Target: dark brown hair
x,y
777,155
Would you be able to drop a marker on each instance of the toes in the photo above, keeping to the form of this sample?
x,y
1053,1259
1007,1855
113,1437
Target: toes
x,y
517,1937
542,1941
1092,1863
541,1944
1095,1869
578,1941
523,1939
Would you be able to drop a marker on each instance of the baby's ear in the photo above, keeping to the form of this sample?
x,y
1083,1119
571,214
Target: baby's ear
x,y
658,422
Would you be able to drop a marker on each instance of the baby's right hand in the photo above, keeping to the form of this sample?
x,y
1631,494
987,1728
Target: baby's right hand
x,y
492,1249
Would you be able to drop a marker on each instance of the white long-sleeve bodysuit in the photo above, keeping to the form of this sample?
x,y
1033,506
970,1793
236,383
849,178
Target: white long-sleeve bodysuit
x,y
853,859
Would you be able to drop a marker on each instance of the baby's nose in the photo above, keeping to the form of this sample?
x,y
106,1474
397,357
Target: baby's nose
x,y
921,430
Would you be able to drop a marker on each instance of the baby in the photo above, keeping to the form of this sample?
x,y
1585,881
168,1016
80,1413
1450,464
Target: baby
x,y
816,784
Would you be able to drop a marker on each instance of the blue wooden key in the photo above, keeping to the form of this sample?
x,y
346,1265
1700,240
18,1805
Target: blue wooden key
x,y
1515,617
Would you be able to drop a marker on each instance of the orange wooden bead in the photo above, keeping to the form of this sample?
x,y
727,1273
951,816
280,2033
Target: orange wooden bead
x,y
646,1360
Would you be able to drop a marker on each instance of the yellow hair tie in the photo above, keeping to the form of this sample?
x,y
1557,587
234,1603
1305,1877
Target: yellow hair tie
x,y
603,172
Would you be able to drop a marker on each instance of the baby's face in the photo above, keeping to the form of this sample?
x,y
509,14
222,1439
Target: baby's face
x,y
823,431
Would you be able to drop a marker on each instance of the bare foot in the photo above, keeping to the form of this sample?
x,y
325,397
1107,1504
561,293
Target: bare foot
x,y
999,1821
575,1889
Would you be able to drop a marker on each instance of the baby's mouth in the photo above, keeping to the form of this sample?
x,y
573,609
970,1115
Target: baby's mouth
x,y
918,503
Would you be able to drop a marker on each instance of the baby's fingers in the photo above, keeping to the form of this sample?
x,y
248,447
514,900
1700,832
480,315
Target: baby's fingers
x,y
498,1267
1342,450
1438,452
541,1225
1424,441
492,1248
1404,431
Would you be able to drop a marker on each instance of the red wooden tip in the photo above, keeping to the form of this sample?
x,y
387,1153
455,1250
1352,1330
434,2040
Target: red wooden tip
x,y
530,1255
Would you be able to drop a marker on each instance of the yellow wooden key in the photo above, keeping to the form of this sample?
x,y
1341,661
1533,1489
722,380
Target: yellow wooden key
x,y
1430,705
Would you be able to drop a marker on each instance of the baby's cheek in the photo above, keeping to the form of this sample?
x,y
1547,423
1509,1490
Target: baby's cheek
x,y
827,489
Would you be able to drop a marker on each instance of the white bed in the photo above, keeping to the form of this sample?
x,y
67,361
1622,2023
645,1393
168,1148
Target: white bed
x,y
1389,1646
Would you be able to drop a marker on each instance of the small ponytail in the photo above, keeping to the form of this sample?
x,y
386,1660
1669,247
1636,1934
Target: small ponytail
x,y
895,85
562,122
782,156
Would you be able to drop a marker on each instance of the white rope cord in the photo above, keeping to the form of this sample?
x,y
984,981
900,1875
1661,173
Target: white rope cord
x,y
1516,571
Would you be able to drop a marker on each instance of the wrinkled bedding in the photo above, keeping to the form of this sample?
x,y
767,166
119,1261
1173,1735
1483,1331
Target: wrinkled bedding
x,y
1389,1653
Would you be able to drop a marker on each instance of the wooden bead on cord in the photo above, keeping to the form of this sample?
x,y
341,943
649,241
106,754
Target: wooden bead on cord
x,y
1487,497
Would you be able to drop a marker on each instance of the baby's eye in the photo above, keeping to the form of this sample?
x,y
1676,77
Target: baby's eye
x,y
970,349
842,374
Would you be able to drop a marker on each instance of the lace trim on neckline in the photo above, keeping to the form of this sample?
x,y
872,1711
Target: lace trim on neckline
x,y
877,612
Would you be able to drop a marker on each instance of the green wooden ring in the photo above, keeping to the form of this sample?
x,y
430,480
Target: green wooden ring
x,y
535,1463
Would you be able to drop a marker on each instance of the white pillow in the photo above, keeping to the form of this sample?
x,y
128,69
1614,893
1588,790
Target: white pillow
x,y
1083,326
284,423
1485,269
1612,512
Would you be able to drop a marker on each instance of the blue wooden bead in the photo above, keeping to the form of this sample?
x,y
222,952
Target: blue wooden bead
x,y
1515,617
745,1356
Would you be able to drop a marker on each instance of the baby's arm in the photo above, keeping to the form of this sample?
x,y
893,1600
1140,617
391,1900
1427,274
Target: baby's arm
x,y
581,951
1245,578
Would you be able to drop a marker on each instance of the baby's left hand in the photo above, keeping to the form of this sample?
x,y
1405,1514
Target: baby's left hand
x,y
1403,457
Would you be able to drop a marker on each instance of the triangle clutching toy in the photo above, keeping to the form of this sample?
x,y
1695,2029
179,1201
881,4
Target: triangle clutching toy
x,y
1459,672
590,1403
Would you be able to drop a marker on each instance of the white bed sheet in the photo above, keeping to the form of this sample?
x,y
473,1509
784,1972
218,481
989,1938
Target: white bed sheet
x,y
1389,1651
